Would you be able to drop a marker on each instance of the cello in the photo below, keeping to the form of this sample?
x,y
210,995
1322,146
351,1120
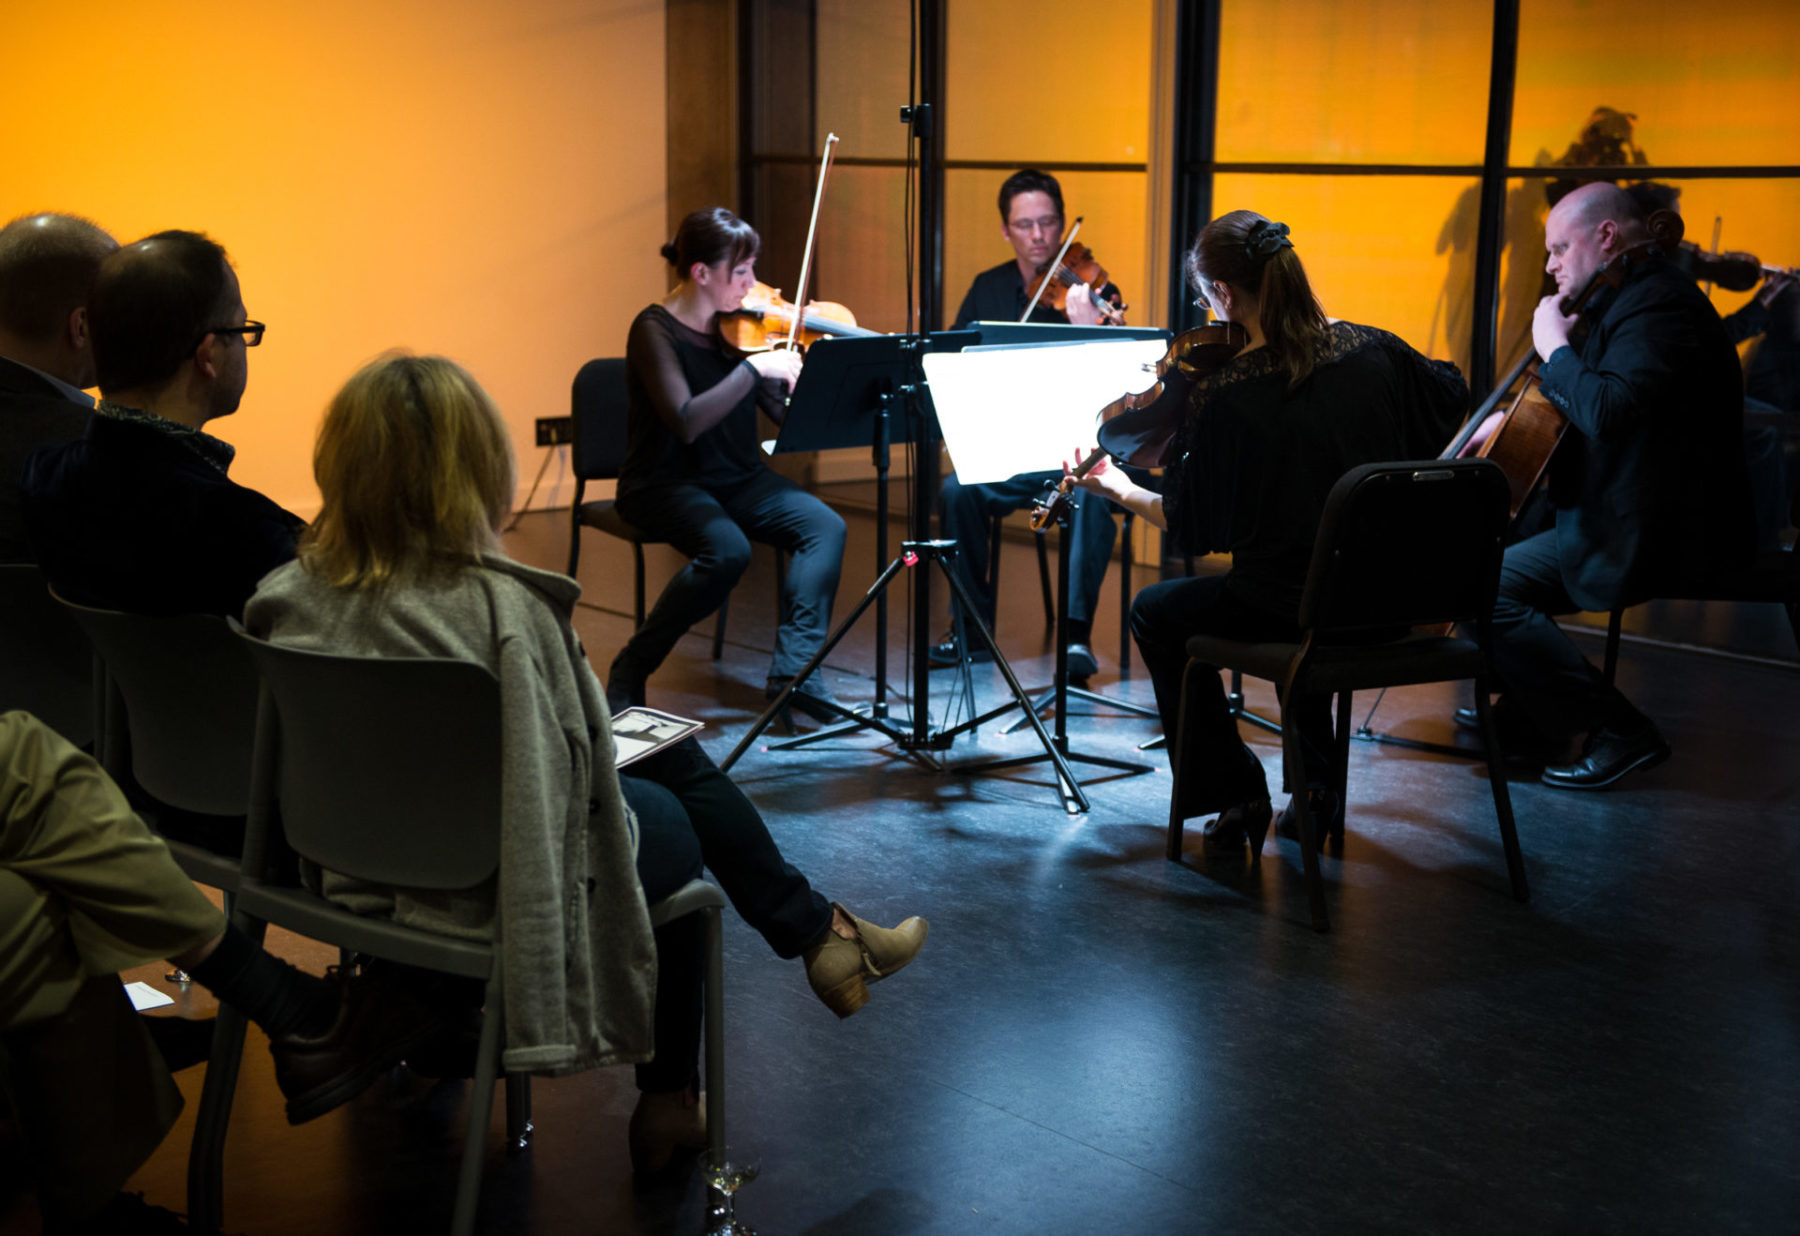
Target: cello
x,y
1527,434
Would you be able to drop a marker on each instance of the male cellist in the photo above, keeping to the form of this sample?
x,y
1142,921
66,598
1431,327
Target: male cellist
x,y
1648,486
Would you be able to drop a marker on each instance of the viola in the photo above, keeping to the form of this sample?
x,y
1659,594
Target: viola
x,y
1141,425
1077,266
765,320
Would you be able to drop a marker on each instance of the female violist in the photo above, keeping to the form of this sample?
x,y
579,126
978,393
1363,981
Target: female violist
x,y
694,475
1263,440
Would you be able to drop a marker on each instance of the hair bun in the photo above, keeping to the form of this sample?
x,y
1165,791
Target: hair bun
x,y
671,254
1265,239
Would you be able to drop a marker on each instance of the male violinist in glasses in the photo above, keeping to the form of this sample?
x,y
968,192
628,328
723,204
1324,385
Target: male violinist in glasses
x,y
1031,221
1648,486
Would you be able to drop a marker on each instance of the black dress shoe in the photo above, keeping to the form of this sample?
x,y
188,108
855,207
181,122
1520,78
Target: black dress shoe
x,y
809,698
1520,740
1609,756
1083,665
948,652
379,1021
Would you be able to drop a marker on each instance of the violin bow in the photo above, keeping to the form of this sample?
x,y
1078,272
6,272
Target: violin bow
x,y
1054,263
812,232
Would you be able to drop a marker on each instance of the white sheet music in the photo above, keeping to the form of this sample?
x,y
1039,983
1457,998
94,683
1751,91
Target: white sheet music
x,y
1010,410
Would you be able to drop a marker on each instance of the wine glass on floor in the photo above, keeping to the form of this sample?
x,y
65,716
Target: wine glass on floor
x,y
730,1171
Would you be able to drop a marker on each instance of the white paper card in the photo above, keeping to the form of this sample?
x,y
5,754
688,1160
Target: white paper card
x,y
143,996
1013,410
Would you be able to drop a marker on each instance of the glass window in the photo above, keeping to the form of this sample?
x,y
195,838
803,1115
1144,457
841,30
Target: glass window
x,y
1395,252
1380,81
862,55
1706,86
1056,79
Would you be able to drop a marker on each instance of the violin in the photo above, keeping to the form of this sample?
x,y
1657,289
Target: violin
x,y
765,320
1732,270
1077,264
1141,426
1528,432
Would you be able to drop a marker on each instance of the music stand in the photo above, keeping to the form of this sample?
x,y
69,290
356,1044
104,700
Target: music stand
x,y
861,383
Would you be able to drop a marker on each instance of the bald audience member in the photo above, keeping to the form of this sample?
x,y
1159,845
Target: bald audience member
x,y
48,263
140,514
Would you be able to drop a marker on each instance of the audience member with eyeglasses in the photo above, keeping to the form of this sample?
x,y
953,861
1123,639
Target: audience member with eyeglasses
x,y
140,513
1031,221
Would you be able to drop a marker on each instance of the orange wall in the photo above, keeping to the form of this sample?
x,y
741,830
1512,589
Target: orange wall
x,y
459,176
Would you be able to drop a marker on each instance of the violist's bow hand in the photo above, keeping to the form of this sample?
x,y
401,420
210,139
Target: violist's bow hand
x,y
782,364
1080,306
1550,326
1774,285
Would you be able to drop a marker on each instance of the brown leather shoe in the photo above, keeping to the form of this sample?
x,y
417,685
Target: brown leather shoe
x,y
661,1124
377,1023
841,970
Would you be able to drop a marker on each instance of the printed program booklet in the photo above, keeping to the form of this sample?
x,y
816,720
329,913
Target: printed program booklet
x,y
638,732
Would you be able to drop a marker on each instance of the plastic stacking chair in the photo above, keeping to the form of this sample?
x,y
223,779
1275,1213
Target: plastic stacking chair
x,y
46,664
180,718
388,770
598,408
1400,545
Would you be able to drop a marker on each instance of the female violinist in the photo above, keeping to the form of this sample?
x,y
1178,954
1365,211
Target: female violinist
x,y
693,473
1262,441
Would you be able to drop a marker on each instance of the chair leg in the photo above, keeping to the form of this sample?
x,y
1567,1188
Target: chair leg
x,y
637,577
481,1109
206,1153
1299,805
1612,645
1125,562
719,628
518,1111
574,537
715,1032
1335,826
1509,835
1177,760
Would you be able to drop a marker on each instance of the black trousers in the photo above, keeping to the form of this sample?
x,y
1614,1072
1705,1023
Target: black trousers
x,y
968,514
1543,674
714,529
1222,771
690,815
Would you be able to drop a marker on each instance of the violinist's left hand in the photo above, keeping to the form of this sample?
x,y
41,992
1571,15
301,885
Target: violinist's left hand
x,y
1550,326
1080,306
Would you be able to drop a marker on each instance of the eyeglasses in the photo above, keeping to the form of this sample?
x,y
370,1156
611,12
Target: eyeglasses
x,y
251,331
1048,223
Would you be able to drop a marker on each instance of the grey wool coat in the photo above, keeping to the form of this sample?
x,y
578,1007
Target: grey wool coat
x,y
576,945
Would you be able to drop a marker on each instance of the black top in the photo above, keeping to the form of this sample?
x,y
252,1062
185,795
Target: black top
x,y
677,377
131,518
1254,460
1772,371
33,413
1650,487
998,295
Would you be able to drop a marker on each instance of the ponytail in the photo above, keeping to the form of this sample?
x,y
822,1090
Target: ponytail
x,y
1248,251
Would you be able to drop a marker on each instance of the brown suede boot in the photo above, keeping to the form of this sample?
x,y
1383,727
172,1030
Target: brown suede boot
x,y
661,1124
841,970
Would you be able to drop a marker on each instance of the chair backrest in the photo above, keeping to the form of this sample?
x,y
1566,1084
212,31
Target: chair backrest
x,y
46,663
598,407
189,692
383,768
1408,544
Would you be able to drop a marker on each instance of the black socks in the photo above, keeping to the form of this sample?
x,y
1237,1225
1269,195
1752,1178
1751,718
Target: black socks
x,y
267,990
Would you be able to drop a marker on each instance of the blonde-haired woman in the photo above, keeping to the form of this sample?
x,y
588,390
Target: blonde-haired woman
x,y
416,472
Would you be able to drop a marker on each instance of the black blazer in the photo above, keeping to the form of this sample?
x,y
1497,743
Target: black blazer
x,y
1649,486
129,518
33,413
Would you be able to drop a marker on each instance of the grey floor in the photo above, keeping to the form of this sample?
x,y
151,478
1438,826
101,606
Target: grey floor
x,y
1096,1038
